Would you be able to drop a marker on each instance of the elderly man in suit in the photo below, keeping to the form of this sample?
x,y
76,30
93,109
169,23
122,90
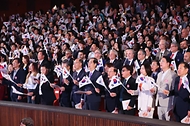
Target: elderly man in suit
x,y
181,105
129,60
113,59
162,50
185,35
111,96
175,54
77,76
92,97
165,81
141,56
65,85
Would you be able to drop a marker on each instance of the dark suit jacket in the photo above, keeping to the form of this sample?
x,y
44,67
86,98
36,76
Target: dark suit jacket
x,y
65,95
155,75
117,63
130,85
181,99
47,91
112,102
178,58
126,62
44,62
19,78
94,97
116,19
77,97
140,64
188,40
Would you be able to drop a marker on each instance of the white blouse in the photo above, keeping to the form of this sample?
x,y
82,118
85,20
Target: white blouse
x,y
31,83
145,97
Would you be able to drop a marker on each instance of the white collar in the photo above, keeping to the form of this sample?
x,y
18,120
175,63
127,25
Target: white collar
x,y
78,71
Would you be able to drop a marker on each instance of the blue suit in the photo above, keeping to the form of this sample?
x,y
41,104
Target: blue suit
x,y
127,62
181,100
75,98
112,102
92,101
19,78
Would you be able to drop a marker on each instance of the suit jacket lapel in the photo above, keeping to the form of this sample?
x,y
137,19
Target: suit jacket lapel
x,y
165,79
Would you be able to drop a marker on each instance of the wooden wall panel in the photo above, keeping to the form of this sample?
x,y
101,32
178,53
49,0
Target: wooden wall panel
x,y
11,113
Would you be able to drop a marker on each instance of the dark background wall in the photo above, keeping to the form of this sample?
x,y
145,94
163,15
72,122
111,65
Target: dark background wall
x,y
8,7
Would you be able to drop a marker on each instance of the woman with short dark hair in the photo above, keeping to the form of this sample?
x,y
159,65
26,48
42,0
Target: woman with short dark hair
x,y
144,91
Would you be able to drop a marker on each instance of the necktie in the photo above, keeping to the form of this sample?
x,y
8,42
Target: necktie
x,y
184,51
90,74
14,73
172,56
76,76
180,83
161,54
126,62
122,90
140,63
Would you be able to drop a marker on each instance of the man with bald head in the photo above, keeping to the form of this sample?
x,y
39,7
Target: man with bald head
x,y
185,35
77,77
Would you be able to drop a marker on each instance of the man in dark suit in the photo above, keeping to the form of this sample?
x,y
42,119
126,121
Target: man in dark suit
x,y
92,97
46,91
82,56
181,105
130,84
184,46
68,56
81,24
112,59
77,76
129,60
141,59
185,35
42,59
117,37
18,77
112,96
65,83
175,54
